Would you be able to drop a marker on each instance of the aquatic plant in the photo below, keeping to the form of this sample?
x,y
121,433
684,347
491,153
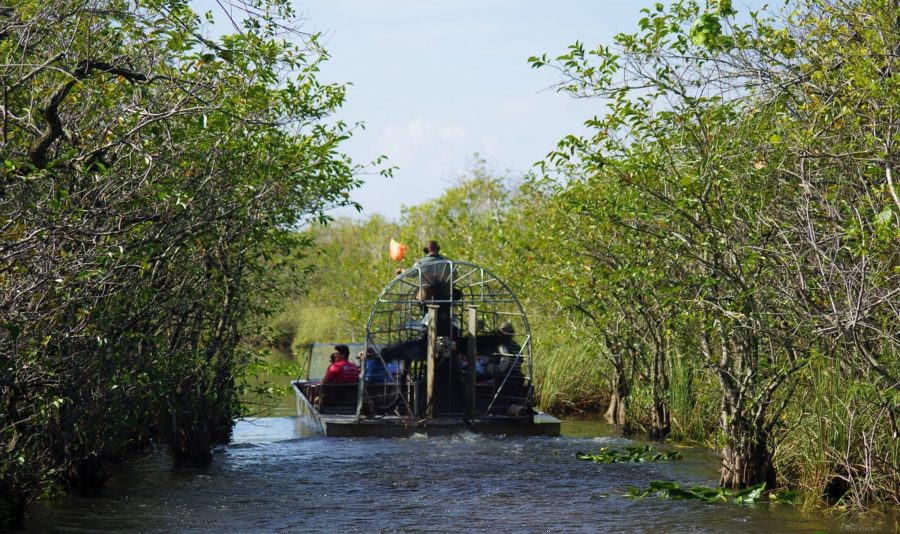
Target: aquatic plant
x,y
749,495
644,453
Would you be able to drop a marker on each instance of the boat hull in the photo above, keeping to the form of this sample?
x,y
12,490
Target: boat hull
x,y
340,425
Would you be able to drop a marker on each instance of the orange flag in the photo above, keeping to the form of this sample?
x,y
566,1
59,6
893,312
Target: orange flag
x,y
398,250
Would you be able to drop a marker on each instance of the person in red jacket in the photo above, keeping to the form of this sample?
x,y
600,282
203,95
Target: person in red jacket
x,y
342,371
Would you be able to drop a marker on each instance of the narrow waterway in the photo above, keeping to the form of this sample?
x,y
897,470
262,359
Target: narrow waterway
x,y
275,478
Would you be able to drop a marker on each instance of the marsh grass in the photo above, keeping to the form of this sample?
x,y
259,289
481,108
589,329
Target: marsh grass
x,y
693,399
839,446
300,324
265,383
568,375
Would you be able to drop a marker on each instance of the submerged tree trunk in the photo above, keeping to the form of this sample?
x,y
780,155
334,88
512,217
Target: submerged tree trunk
x,y
198,423
194,445
615,414
202,413
660,419
746,458
89,473
746,455
189,433
618,399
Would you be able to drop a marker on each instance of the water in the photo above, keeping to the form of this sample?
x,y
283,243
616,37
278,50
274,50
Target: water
x,y
272,479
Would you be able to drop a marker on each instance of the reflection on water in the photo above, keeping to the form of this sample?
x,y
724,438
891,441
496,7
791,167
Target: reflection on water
x,y
271,479
276,378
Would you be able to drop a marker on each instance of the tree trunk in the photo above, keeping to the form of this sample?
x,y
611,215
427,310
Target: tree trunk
x,y
618,400
615,414
746,459
660,420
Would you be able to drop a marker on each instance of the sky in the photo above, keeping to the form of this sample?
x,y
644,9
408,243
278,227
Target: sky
x,y
438,81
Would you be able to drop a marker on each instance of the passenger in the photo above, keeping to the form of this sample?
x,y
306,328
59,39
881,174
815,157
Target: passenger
x,y
376,372
432,253
483,369
435,280
342,371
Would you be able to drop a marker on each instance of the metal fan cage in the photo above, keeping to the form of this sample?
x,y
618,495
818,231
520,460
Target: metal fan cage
x,y
478,320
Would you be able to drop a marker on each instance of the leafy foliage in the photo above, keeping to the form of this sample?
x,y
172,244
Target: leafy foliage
x,y
150,183
729,219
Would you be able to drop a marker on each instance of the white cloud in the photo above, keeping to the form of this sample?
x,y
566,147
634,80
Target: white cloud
x,y
419,143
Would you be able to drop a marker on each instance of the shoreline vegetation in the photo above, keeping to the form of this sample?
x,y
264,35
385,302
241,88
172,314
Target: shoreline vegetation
x,y
151,178
715,261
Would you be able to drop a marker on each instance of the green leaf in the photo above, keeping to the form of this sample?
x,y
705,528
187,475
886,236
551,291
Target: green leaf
x,y
885,216
750,494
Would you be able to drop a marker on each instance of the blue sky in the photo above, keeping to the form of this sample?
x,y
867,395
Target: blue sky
x,y
436,81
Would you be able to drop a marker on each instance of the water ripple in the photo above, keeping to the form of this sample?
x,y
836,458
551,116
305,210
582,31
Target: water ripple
x,y
273,478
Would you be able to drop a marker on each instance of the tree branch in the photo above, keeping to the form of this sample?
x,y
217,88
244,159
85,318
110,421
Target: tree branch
x,y
54,131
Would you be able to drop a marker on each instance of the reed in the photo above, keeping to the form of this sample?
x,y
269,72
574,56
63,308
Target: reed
x,y
693,399
839,447
300,324
568,374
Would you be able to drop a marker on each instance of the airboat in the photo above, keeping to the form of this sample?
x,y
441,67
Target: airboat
x,y
447,349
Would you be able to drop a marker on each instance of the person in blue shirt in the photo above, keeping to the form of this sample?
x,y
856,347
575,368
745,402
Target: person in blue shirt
x,y
376,372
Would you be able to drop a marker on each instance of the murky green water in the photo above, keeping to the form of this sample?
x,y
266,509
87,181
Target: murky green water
x,y
273,479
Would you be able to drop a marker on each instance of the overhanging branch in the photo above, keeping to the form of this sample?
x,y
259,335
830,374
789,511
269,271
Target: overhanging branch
x,y
54,131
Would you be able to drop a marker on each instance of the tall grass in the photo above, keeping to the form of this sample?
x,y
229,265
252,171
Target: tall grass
x,y
300,324
568,374
693,400
840,445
